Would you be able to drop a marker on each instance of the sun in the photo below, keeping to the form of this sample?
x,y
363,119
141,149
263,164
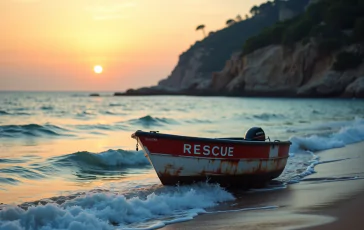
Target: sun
x,y
98,69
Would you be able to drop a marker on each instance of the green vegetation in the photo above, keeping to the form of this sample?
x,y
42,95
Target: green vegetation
x,y
327,45
219,46
332,23
358,33
230,22
347,60
201,27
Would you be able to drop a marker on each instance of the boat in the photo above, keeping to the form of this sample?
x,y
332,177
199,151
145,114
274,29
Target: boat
x,y
251,161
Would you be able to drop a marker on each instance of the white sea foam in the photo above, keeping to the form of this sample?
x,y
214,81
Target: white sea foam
x,y
103,211
351,133
309,170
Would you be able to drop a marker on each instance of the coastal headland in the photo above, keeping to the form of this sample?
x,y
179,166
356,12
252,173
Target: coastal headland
x,y
295,48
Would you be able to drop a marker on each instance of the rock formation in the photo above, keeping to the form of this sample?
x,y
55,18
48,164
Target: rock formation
x,y
314,61
298,71
186,75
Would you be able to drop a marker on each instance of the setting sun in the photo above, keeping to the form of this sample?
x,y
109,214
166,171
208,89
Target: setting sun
x,y
98,69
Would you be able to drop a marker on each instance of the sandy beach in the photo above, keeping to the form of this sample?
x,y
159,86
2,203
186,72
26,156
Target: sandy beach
x,y
328,199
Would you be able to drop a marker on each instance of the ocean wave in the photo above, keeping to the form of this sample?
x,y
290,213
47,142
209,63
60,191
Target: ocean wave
x,y
4,113
78,95
12,161
268,116
314,111
108,112
8,180
303,160
110,158
21,109
327,127
148,120
45,107
115,104
22,172
105,211
93,127
353,132
30,130
103,127
199,121
85,114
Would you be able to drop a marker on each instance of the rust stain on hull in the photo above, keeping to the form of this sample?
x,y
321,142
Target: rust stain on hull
x,y
241,181
237,173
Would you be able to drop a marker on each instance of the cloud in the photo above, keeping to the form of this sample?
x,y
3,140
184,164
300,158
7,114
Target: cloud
x,y
110,10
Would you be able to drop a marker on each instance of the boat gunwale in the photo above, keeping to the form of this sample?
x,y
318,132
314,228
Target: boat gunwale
x,y
152,134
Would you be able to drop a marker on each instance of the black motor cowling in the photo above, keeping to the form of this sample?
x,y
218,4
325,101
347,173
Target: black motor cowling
x,y
255,134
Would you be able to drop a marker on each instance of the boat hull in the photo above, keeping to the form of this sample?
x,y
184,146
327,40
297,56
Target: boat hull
x,y
237,181
235,172
185,160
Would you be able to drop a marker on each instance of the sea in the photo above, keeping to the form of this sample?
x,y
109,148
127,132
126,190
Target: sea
x,y
67,160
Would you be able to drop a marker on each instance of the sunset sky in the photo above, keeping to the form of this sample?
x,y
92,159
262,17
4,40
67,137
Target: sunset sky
x,y
53,45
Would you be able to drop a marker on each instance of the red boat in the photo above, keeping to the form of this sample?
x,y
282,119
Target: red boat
x,y
240,162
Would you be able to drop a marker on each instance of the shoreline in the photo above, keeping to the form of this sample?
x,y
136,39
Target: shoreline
x,y
239,95
284,92
328,199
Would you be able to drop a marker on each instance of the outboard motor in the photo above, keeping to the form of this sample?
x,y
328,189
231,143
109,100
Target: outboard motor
x,y
255,134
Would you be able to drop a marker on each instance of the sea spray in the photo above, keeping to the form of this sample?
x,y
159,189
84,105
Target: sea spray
x,y
104,211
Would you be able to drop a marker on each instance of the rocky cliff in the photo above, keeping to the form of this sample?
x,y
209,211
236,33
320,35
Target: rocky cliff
x,y
296,71
317,53
187,73
293,71
195,66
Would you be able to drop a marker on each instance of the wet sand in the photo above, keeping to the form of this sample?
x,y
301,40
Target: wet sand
x,y
349,215
330,199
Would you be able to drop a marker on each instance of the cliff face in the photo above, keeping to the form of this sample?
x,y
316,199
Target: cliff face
x,y
187,73
298,71
323,56
195,66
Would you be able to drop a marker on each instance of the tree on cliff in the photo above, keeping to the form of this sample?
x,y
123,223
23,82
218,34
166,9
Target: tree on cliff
x,y
201,27
254,10
326,21
230,22
265,7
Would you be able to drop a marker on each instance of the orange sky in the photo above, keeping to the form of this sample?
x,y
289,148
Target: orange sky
x,y
54,44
